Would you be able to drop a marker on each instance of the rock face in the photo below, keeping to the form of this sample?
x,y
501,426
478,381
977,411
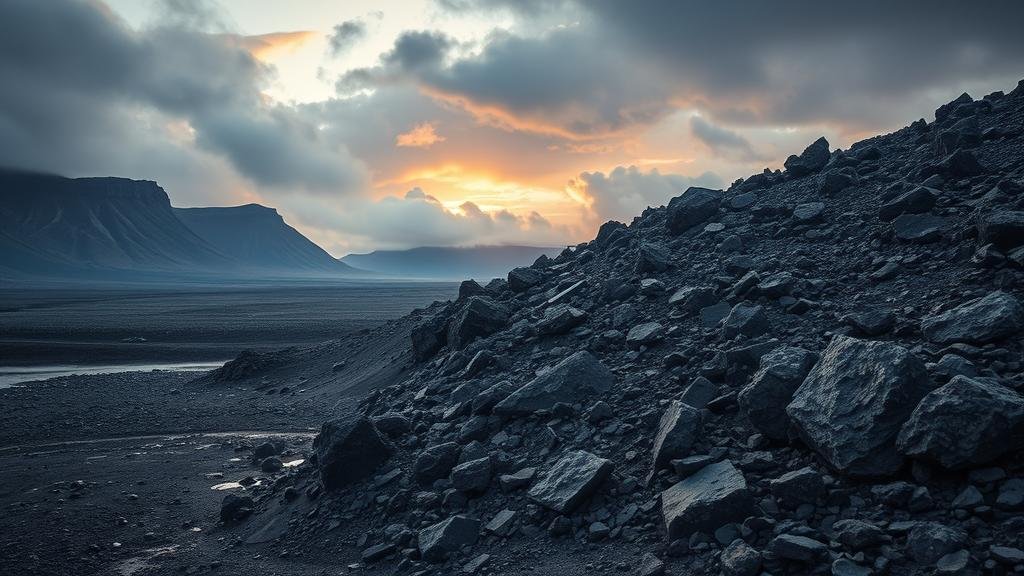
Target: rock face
x,y
964,424
438,541
573,479
479,317
695,206
348,451
578,377
714,496
979,321
813,159
771,389
854,401
677,432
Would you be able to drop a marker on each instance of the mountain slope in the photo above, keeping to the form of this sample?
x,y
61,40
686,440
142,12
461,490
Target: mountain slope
x,y
483,262
62,225
257,236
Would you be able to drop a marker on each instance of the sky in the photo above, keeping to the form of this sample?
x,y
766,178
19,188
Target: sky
x,y
394,124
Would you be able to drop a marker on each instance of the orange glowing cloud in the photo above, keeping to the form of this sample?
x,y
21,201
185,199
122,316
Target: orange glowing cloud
x,y
421,136
267,46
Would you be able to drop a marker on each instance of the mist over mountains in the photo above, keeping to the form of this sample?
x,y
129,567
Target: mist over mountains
x,y
438,262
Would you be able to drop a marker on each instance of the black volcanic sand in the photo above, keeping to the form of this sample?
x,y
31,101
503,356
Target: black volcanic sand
x,y
194,324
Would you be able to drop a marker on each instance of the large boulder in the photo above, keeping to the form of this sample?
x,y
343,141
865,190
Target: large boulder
x,y
692,207
678,430
714,496
853,402
917,201
436,462
964,424
560,319
813,159
1004,228
750,321
575,379
349,450
522,279
479,317
574,478
651,258
764,399
979,321
429,336
436,542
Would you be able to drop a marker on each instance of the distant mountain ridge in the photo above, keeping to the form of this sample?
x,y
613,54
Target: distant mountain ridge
x,y
450,263
54,227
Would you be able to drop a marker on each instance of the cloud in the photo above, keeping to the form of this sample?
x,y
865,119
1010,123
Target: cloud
x,y
266,46
422,135
345,35
723,141
88,106
626,191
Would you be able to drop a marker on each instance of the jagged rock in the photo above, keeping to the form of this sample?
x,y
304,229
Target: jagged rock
x,y
502,523
929,541
711,316
799,548
438,541
714,496
378,552
677,432
560,319
847,567
650,565
693,207
1003,228
429,336
872,322
836,182
651,258
392,424
808,212
485,401
853,402
349,450
917,201
479,317
573,479
919,228
980,321
750,321
645,334
693,298
777,285
964,424
234,508
266,450
802,486
771,389
811,160
522,279
739,559
969,498
959,164
436,462
857,534
574,379
1007,555
699,392
470,288
518,479
472,476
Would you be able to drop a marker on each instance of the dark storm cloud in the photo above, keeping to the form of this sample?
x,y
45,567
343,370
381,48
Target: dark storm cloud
x,y
418,50
345,35
861,64
81,89
723,141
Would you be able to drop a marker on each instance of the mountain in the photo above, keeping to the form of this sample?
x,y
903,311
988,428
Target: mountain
x,y
258,236
52,227
481,262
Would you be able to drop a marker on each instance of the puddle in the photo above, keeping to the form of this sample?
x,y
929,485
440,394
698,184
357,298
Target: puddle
x,y
294,463
232,486
139,564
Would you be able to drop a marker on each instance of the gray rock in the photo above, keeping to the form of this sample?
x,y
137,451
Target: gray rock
x,y
917,201
651,258
378,552
764,399
853,402
1003,228
650,565
750,321
979,321
429,336
857,535
802,486
919,228
711,316
964,424
518,479
473,476
813,159
714,496
392,424
234,507
693,298
968,499
799,548
438,541
954,564
808,212
436,462
1011,494
575,379
479,317
349,450
695,206
573,479
872,322
502,523
678,431
560,319
740,559
522,279
645,334
929,541
699,392
847,567
1007,555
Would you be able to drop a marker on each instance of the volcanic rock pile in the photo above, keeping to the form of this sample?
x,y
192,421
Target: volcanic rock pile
x,y
815,371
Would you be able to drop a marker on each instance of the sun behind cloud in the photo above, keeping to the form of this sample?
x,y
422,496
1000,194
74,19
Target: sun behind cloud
x,y
422,135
